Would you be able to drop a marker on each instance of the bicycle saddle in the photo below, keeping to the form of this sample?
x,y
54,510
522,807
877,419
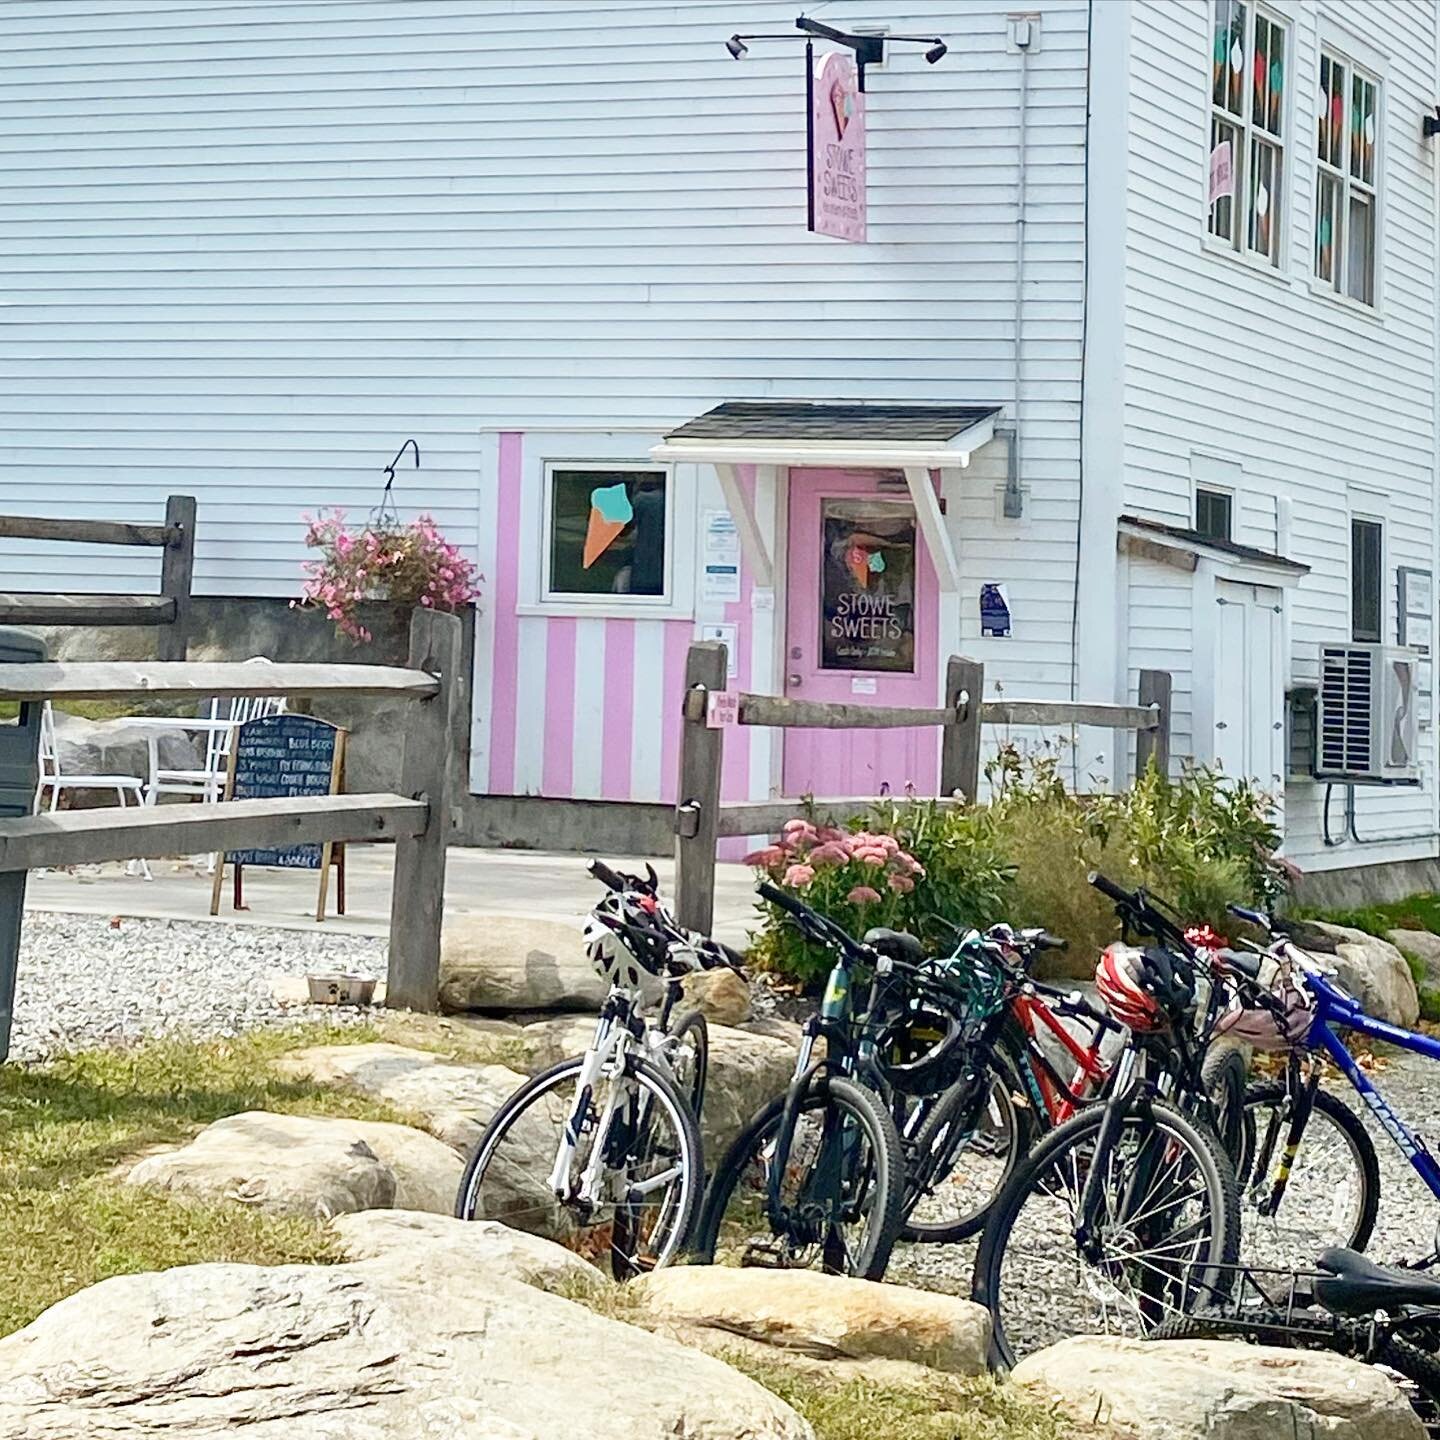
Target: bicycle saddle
x,y
896,945
1361,1287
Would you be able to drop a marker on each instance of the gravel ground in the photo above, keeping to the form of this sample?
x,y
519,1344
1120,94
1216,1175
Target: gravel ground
x,y
86,980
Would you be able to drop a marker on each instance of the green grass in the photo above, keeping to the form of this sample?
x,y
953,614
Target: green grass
x,y
64,1223
942,1408
1418,912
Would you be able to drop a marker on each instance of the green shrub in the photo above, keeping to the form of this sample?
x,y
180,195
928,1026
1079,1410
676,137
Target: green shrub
x,y
1201,842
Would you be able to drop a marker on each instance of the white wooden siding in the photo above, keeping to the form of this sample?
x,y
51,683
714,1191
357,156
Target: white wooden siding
x,y
1161,636
249,248
1311,397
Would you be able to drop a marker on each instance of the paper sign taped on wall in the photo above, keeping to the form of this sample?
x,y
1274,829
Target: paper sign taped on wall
x,y
1222,171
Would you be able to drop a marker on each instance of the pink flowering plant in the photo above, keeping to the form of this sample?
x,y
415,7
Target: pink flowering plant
x,y
889,868
409,564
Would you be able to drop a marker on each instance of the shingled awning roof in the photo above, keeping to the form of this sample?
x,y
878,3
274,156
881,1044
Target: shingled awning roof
x,y
808,432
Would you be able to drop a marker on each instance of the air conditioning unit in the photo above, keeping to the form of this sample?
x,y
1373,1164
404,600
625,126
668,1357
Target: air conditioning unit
x,y
1366,730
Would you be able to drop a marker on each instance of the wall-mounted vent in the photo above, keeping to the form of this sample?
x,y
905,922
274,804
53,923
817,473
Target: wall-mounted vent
x,y
1366,722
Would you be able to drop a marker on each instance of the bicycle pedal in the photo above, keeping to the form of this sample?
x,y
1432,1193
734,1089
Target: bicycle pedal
x,y
763,1257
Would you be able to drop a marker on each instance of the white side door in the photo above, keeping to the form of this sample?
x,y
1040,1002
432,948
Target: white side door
x,y
1249,687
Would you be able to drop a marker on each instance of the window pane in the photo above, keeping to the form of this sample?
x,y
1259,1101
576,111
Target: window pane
x,y
1366,584
867,585
1227,82
1213,514
1332,112
1264,193
1224,159
1268,71
1329,226
1362,130
607,532
1360,249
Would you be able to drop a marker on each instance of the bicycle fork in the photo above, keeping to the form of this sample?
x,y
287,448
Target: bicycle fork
x,y
1087,1220
591,1070
1302,1104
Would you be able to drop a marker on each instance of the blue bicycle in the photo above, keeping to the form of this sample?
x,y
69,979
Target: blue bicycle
x,y
1308,1171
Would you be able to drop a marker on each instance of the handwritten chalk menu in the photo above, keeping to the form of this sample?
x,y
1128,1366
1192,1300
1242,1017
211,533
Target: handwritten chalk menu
x,y
279,756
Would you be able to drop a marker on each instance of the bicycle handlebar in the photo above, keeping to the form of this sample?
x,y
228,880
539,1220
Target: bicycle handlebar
x,y
814,924
1257,918
606,876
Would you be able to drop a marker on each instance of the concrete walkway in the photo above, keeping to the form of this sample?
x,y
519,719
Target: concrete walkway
x,y
497,882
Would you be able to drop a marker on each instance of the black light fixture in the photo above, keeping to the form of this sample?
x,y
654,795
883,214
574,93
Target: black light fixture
x,y
1431,124
869,49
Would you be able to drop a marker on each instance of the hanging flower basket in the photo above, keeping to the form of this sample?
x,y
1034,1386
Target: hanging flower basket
x,y
410,564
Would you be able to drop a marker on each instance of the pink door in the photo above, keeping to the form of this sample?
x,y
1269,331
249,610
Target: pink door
x,y
861,627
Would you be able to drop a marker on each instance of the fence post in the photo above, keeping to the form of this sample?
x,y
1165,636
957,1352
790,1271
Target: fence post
x,y
960,746
177,575
697,812
417,907
1154,690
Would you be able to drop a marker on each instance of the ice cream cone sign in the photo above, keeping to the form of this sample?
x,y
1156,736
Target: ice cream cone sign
x,y
610,513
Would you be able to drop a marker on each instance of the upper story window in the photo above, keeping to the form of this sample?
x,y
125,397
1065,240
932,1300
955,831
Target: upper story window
x,y
1347,172
1213,513
606,533
1248,66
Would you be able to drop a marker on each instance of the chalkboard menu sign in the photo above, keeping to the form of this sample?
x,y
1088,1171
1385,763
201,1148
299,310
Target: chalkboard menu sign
x,y
276,757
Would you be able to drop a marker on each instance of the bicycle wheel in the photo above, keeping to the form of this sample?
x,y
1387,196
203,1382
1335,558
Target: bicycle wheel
x,y
964,1153
1223,1075
690,1059
1332,1195
650,1169
1168,1218
842,1190
1416,1371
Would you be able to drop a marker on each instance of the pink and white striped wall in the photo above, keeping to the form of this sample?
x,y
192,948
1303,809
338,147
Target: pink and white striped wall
x,y
584,706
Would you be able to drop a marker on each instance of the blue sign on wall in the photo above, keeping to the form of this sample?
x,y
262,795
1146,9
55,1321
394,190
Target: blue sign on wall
x,y
994,611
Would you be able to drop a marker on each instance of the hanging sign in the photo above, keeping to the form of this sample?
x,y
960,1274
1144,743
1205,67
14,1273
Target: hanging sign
x,y
837,149
1222,172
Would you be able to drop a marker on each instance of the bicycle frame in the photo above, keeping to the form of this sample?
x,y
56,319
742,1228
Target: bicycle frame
x,y
1333,1007
1060,1100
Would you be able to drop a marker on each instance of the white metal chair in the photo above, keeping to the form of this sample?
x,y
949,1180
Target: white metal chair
x,y
55,780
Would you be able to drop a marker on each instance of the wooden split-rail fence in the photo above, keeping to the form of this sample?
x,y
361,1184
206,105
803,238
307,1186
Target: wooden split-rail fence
x,y
701,818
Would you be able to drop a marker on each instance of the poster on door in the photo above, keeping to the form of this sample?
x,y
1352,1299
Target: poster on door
x,y
867,587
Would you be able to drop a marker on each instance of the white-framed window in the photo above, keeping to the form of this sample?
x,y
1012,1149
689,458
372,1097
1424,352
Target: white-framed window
x,y
1249,79
1214,512
607,535
1347,178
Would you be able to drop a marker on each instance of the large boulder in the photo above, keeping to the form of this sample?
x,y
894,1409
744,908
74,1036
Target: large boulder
x,y
827,1317
721,996
453,1101
372,1351
1371,969
465,1245
500,964
305,1165
1219,1390
1422,946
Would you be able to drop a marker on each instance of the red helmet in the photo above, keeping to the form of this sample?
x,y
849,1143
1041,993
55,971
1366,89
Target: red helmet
x,y
1121,977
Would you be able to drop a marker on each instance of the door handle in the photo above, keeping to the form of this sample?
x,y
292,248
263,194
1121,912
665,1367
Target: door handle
x,y
795,679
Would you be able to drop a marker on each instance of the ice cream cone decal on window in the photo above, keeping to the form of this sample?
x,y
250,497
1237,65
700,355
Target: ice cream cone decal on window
x,y
610,513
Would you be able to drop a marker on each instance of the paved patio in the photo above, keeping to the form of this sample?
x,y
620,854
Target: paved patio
x,y
499,882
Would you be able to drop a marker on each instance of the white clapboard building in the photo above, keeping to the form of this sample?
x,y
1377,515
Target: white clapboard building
x,y
1119,354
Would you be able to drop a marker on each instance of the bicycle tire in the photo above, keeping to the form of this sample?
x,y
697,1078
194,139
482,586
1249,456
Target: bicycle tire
x,y
694,1024
1023,1128
1312,1330
889,1180
1223,1076
1151,1117
1338,1113
649,1077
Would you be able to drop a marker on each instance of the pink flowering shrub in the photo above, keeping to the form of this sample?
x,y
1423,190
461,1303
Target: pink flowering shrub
x,y
412,564
872,873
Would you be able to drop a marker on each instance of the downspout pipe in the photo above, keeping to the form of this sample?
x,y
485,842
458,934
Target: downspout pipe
x,y
1022,33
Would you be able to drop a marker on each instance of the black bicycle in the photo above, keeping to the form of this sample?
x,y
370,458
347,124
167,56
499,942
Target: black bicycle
x,y
1119,1216
817,1178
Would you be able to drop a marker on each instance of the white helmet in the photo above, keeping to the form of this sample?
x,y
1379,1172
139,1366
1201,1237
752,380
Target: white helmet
x,y
608,943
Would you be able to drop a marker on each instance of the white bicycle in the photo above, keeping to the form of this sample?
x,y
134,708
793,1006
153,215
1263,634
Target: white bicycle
x,y
602,1151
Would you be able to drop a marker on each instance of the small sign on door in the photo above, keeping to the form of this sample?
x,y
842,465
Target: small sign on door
x,y
722,709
